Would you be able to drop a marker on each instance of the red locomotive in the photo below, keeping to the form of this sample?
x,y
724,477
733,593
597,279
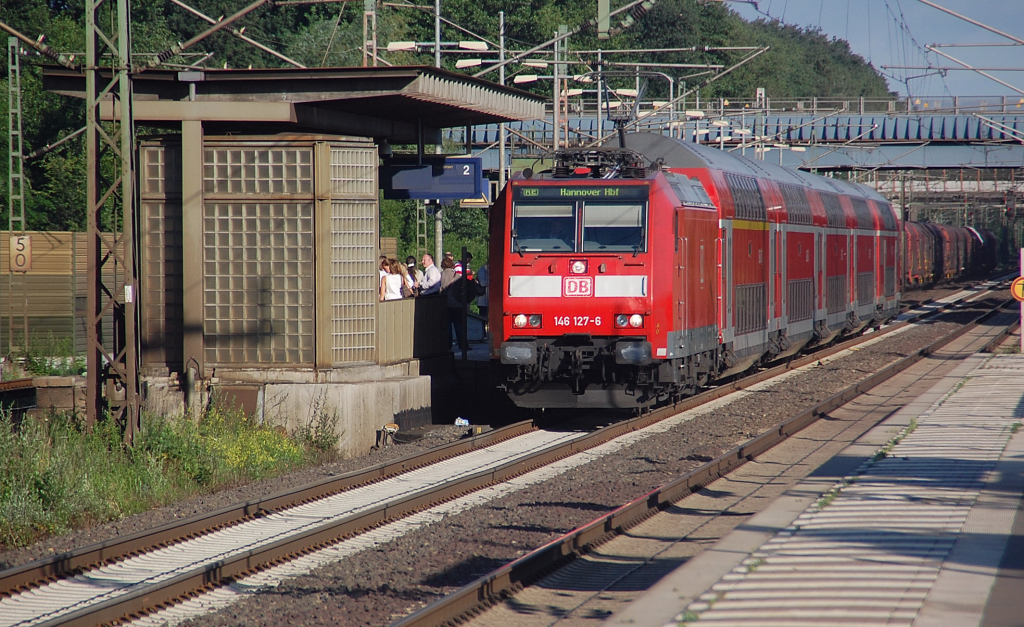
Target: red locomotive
x,y
629,276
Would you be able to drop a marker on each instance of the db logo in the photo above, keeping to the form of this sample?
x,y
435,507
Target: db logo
x,y
578,286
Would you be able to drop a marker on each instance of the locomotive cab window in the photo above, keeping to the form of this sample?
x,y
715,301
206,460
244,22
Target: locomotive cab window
x,y
544,227
614,227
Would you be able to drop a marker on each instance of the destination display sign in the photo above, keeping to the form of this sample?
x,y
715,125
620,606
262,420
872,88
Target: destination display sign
x,y
432,178
580,192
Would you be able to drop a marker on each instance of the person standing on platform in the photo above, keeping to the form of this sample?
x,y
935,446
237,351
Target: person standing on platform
x,y
454,287
415,273
448,275
482,277
391,283
431,282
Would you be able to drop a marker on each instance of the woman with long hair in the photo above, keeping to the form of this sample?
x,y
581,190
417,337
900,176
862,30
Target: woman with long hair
x,y
391,283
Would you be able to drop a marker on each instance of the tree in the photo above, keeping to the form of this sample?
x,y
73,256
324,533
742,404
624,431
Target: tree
x,y
800,63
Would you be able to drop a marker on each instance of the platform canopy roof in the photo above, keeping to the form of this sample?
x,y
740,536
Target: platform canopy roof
x,y
393,103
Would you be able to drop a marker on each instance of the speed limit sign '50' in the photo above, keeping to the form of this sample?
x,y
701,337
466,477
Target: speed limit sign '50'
x,y
21,253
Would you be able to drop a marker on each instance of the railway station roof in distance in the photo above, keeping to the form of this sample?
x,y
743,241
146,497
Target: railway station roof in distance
x,y
380,102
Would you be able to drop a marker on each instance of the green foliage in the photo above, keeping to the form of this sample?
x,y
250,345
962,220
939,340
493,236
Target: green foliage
x,y
801,63
48,356
466,226
320,432
55,475
463,226
336,40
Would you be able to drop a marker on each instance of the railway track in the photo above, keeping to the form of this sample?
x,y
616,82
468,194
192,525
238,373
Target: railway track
x,y
276,528
556,600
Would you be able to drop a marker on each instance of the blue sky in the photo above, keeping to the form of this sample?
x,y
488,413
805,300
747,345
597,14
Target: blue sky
x,y
894,33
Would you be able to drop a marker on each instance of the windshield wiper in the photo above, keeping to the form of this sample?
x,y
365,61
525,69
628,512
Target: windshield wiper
x,y
640,244
515,242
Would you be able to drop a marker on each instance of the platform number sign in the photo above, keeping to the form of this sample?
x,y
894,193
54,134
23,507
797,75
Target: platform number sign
x,y
21,253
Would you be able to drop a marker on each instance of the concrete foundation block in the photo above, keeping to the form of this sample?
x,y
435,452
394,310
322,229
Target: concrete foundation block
x,y
361,409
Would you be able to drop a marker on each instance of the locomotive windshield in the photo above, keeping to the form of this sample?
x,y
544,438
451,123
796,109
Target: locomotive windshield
x,y
613,227
544,227
607,227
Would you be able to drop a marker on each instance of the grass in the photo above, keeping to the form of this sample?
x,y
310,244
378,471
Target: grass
x,y
754,564
830,496
885,450
56,476
45,356
827,498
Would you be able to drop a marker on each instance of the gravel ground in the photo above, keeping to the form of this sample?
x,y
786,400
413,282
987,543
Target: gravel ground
x,y
376,586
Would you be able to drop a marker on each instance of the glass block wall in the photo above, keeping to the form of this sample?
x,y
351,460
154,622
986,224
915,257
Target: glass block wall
x,y
258,282
260,267
258,289
244,170
354,243
261,272
354,291
160,192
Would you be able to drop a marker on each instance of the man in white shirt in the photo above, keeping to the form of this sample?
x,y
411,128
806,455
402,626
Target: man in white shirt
x,y
431,283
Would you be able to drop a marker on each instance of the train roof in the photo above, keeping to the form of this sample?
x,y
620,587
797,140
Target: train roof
x,y
676,153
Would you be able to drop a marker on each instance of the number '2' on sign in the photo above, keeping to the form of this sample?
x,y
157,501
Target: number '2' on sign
x,y
21,253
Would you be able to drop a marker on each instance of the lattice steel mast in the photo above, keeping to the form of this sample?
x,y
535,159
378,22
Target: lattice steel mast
x,y
113,366
16,190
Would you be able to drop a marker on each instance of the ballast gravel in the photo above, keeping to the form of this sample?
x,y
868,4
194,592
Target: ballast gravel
x,y
379,585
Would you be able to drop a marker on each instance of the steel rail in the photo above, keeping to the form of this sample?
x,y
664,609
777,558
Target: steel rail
x,y
146,597
505,581
16,384
71,562
66,564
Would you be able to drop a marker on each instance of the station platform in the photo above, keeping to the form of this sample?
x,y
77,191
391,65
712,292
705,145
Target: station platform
x,y
926,531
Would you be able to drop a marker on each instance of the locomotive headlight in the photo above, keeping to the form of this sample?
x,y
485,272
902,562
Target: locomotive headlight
x,y
578,266
521,321
621,320
636,321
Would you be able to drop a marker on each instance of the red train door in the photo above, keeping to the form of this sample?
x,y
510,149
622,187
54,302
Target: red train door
x,y
682,272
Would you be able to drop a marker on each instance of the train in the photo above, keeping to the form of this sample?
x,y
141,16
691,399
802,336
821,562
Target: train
x,y
632,275
939,252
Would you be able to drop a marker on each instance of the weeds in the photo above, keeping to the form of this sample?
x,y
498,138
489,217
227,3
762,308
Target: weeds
x,y
830,496
320,433
45,356
1015,427
885,450
56,475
